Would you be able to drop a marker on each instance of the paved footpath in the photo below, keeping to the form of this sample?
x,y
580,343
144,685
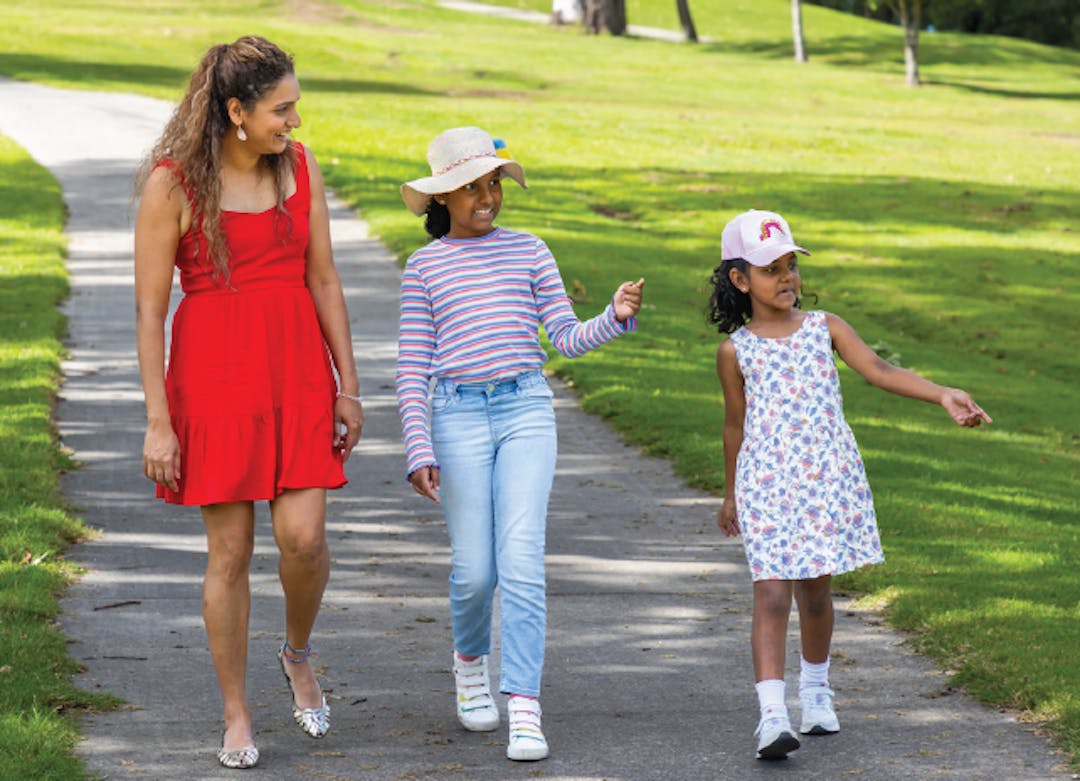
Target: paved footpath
x,y
648,675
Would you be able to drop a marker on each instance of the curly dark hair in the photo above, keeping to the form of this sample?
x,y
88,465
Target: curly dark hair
x,y
436,219
729,308
246,69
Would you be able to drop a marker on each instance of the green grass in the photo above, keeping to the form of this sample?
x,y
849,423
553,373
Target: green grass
x,y
942,221
36,735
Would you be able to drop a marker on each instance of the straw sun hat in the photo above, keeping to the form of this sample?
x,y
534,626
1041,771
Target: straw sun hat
x,y
457,157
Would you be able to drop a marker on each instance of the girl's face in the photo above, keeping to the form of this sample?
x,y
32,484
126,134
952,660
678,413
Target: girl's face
x,y
274,116
473,207
775,286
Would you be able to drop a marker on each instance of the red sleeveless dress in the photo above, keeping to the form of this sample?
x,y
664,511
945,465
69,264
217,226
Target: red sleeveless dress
x,y
250,386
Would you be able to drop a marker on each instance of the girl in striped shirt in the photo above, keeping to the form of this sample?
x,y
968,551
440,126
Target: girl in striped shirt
x,y
477,415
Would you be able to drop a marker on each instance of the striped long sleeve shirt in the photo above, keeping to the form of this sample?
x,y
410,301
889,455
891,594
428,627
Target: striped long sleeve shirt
x,y
470,310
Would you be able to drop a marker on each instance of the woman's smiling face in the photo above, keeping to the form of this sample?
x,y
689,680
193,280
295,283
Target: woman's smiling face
x,y
274,116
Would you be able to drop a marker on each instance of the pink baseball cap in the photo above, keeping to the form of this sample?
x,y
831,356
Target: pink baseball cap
x,y
758,237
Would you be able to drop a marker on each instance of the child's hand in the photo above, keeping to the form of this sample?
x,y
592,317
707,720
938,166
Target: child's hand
x,y
727,519
627,300
425,481
962,408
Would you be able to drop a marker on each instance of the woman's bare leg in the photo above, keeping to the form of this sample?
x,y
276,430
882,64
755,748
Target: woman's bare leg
x,y
299,519
230,530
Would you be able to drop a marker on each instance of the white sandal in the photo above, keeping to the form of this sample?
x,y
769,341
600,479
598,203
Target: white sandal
x,y
238,758
314,721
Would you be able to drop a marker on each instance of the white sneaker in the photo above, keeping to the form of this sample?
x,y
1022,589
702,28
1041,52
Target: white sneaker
x,y
775,737
527,741
818,716
475,708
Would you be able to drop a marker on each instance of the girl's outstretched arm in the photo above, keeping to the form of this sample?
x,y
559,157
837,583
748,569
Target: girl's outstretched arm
x,y
878,372
731,380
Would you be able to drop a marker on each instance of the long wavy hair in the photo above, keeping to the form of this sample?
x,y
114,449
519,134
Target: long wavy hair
x,y
247,70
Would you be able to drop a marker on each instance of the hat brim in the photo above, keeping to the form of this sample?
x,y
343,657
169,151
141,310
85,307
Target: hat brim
x,y
763,256
418,192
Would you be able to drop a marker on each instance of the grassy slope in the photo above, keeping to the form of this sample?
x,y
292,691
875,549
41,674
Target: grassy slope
x,y
942,222
35,671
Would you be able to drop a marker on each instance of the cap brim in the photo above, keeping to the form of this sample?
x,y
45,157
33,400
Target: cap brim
x,y
418,192
763,256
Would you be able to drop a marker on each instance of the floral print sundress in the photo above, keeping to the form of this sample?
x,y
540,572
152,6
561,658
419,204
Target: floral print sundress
x,y
803,502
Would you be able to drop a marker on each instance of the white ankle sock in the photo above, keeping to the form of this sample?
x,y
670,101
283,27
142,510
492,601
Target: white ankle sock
x,y
771,697
811,674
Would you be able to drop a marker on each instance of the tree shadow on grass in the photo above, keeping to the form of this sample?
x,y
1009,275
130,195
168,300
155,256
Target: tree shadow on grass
x,y
35,67
884,52
1003,93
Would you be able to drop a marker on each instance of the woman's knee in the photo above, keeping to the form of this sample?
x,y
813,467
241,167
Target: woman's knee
x,y
230,558
305,546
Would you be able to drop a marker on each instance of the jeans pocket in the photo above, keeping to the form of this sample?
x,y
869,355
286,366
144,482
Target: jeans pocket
x,y
535,389
441,402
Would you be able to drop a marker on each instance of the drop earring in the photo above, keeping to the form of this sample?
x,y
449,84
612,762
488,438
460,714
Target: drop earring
x,y
240,133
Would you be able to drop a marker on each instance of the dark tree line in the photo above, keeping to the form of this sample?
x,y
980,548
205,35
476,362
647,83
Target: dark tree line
x,y
1055,22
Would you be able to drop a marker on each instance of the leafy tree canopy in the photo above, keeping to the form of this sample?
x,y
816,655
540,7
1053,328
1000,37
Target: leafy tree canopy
x,y
1055,22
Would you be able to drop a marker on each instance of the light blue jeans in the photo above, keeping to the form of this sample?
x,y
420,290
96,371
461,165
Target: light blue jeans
x,y
496,448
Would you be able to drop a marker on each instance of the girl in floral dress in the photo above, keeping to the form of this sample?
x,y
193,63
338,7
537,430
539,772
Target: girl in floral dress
x,y
796,486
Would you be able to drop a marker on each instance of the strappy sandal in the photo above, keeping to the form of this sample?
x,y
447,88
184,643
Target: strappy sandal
x,y
314,721
239,758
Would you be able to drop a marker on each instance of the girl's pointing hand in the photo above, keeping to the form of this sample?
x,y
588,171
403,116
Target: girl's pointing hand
x,y
963,409
627,300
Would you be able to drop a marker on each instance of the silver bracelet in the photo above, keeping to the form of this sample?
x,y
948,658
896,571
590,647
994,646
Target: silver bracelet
x,y
348,396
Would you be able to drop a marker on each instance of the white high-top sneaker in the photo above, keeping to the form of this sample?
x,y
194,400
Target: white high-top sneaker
x,y
475,708
527,742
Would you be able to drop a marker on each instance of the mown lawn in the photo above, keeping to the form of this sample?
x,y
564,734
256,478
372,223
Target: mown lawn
x,y
943,222
36,694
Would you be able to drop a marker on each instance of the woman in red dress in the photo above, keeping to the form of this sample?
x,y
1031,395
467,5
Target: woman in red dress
x,y
249,408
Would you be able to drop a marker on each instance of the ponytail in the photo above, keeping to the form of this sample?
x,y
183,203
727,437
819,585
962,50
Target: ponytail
x,y
437,219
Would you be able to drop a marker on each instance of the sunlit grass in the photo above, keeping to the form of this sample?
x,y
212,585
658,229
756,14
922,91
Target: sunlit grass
x,y
35,671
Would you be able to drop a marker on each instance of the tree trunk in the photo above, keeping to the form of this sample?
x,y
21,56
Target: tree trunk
x,y
686,20
594,16
607,15
796,31
615,11
911,20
